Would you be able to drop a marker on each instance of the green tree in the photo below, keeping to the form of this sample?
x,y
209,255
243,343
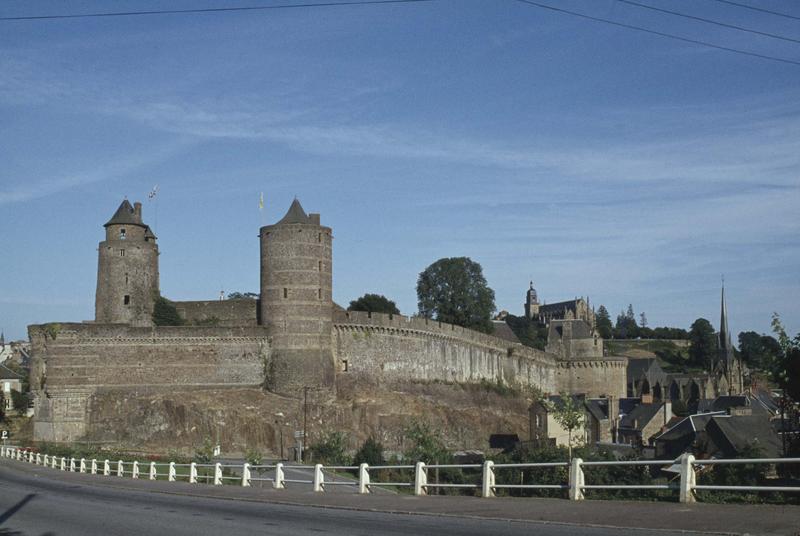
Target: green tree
x,y
603,322
425,444
165,313
758,351
786,367
2,406
242,296
454,290
528,331
626,327
371,452
374,303
331,449
570,414
703,344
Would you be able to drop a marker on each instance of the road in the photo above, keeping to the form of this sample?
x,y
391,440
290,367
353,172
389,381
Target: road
x,y
42,504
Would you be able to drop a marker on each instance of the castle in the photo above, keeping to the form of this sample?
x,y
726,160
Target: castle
x,y
87,377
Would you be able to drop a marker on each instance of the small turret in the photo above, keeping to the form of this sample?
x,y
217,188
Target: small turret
x,y
127,269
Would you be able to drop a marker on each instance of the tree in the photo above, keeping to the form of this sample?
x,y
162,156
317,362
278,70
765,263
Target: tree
x,y
371,452
165,313
642,320
758,351
243,296
331,449
603,323
454,290
569,414
626,327
528,331
786,368
2,406
425,444
374,303
703,344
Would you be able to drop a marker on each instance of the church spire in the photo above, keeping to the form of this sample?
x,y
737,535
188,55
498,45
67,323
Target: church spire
x,y
725,345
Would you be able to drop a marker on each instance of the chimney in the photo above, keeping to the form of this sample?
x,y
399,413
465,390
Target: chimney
x,y
647,398
667,411
137,211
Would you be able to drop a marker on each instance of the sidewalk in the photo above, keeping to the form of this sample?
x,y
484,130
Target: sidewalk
x,y
698,517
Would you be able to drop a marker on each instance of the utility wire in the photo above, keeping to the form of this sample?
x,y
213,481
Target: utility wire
x,y
708,21
655,32
761,9
213,9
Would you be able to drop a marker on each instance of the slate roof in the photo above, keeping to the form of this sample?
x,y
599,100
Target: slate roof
x,y
598,407
639,367
626,405
570,305
641,416
124,216
8,374
295,214
504,331
733,433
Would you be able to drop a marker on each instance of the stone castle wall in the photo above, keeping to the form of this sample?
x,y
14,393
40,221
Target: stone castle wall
x,y
239,312
372,347
74,361
594,377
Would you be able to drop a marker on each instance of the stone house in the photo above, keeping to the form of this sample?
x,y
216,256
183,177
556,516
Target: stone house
x,y
644,422
545,429
9,381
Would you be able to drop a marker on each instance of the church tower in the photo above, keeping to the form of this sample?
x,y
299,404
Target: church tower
x,y
127,270
531,304
727,364
297,301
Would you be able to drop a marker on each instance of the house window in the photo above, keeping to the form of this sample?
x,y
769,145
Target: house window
x,y
285,292
122,234
126,300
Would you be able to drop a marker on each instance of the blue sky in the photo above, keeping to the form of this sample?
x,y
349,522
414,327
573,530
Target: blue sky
x,y
592,159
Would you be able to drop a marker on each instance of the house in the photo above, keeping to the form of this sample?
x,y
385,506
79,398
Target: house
x,y
545,429
644,422
9,381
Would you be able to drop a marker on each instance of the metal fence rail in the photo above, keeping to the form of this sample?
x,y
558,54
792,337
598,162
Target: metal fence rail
x,y
575,482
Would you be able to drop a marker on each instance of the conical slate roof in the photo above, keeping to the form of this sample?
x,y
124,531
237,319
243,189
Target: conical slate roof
x,y
124,216
296,214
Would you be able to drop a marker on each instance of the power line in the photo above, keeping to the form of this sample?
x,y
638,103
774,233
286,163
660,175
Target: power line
x,y
655,32
212,9
762,10
709,21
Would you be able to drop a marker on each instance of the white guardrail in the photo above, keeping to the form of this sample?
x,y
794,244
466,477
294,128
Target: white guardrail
x,y
575,484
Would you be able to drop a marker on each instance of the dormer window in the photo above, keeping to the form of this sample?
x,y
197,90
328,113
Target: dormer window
x,y
122,234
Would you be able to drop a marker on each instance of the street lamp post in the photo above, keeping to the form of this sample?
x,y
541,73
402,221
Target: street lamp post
x,y
279,423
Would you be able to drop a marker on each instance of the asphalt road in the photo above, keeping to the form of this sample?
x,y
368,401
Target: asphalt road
x,y
38,504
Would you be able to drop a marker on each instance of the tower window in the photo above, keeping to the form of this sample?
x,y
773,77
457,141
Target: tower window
x,y
319,294
344,365
126,300
319,237
320,266
122,234
126,279
122,253
285,292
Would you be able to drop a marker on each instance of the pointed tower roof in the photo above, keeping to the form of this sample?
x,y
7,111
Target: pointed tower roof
x,y
725,345
125,215
295,214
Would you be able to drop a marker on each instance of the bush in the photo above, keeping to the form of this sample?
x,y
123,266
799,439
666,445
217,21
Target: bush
x,y
330,450
254,457
165,313
371,452
426,445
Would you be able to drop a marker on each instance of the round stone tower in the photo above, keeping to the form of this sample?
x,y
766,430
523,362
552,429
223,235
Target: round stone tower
x,y
127,270
296,301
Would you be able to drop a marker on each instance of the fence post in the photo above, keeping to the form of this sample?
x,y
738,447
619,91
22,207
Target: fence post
x,y
46,460
63,463
120,468
279,482
217,474
53,462
363,478
319,478
576,480
193,473
38,459
83,465
72,465
106,468
688,480
420,479
171,477
487,488
135,469
94,466
246,475
153,472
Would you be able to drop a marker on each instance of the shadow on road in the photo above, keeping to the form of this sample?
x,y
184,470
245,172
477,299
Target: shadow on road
x,y
16,508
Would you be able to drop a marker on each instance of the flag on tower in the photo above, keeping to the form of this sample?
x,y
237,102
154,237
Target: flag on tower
x,y
261,202
153,192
